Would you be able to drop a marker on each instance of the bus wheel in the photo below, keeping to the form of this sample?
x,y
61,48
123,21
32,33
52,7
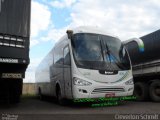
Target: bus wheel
x,y
40,93
154,91
61,100
141,91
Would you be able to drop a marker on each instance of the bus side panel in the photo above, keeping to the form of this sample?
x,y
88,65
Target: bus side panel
x,y
57,71
53,81
67,72
43,75
57,78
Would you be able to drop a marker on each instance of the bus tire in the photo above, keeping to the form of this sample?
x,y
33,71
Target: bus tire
x,y
141,91
40,94
154,91
60,99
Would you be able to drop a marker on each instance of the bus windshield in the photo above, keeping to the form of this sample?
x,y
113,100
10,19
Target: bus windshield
x,y
100,52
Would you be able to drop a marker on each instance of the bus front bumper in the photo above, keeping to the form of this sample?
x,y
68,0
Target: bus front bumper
x,y
102,91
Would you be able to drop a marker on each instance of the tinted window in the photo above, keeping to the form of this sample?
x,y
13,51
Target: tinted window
x,y
87,47
67,60
95,51
58,56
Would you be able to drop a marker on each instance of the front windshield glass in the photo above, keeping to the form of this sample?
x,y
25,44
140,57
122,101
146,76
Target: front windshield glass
x,y
94,51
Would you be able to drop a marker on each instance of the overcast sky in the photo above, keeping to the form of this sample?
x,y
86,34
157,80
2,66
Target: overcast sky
x,y
123,18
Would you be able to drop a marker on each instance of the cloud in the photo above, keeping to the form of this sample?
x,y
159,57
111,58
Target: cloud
x,y
55,34
30,73
40,22
62,3
123,18
34,42
40,18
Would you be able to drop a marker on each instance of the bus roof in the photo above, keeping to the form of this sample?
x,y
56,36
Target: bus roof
x,y
89,29
86,29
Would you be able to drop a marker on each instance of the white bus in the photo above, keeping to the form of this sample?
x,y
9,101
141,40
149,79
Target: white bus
x,y
85,63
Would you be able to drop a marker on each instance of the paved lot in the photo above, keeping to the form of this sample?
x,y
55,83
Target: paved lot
x,y
35,107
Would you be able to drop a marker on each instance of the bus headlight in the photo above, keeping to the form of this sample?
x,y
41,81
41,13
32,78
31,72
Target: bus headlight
x,y
81,82
129,82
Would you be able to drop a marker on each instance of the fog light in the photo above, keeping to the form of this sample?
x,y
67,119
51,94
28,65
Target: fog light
x,y
82,90
130,89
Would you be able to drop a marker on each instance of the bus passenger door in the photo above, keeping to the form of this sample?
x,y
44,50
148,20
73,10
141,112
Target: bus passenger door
x,y
67,72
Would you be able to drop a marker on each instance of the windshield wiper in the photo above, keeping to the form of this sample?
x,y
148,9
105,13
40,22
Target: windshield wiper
x,y
118,63
108,52
101,49
104,51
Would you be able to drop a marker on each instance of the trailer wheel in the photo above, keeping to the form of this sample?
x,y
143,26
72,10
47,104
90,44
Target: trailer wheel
x,y
141,91
15,91
60,100
154,91
15,98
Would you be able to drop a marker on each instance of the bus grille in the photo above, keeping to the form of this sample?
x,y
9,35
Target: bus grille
x,y
107,90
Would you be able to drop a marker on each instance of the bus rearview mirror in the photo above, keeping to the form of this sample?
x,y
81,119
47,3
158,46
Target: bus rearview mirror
x,y
69,33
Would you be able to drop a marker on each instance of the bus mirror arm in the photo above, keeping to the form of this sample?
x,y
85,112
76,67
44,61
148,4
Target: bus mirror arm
x,y
69,33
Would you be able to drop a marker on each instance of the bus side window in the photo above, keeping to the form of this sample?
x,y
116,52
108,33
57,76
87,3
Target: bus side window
x,y
58,56
67,58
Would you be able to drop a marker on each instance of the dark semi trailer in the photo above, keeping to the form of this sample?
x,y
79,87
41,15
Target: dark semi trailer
x,y
145,57
14,47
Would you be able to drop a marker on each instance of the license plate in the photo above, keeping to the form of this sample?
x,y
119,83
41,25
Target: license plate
x,y
110,95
